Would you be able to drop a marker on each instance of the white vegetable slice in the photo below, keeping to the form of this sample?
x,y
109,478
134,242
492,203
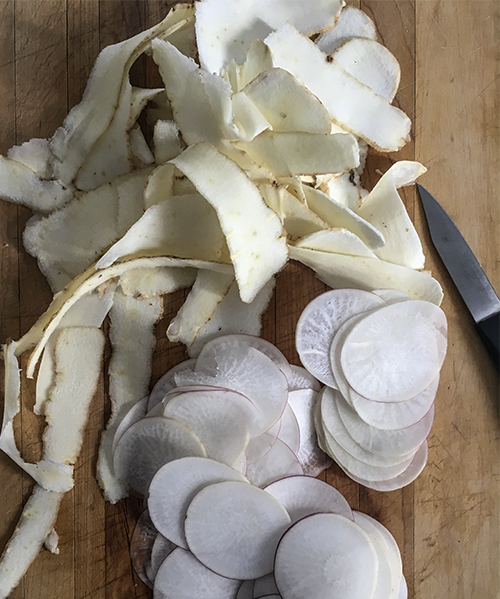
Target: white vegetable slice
x,y
389,540
402,480
334,427
182,576
278,462
338,241
166,141
140,96
303,496
372,64
258,60
383,126
286,104
208,291
336,215
174,486
132,336
312,459
246,590
352,22
265,587
36,155
138,147
388,577
217,419
233,528
160,185
253,232
233,316
161,549
328,555
147,283
338,270
302,379
289,153
319,322
182,226
384,442
247,117
225,28
384,209
391,295
137,412
149,444
390,416
37,520
289,431
382,362
261,444
167,382
141,545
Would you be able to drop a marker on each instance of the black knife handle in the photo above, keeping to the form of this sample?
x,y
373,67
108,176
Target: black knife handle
x,y
489,331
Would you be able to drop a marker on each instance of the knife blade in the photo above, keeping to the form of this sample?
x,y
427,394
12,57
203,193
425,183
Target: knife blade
x,y
470,279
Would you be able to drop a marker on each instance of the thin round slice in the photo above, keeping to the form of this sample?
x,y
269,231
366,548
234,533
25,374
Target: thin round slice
x,y
162,547
278,462
396,352
218,418
289,431
149,444
182,576
167,382
173,488
304,495
302,379
319,322
325,556
141,545
233,528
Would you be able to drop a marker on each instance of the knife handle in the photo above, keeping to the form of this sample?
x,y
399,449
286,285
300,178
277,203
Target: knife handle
x,y
489,331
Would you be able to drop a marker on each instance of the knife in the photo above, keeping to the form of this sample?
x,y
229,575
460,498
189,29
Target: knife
x,y
466,272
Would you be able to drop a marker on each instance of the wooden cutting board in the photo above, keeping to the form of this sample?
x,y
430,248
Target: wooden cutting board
x,y
447,522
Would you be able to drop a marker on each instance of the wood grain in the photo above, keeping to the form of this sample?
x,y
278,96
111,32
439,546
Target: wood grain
x,y
447,522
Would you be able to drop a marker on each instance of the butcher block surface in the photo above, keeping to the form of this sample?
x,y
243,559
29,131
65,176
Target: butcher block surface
x,y
447,522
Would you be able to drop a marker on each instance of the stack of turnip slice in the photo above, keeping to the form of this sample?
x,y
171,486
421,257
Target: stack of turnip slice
x,y
209,533
239,403
379,355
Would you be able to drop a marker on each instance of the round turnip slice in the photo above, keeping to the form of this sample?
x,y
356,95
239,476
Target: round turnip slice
x,y
389,575
173,488
258,447
241,464
319,322
136,413
218,418
384,442
149,444
302,379
391,416
405,478
362,470
312,459
167,382
391,296
233,528
289,431
334,426
403,589
141,545
182,576
265,586
396,352
304,495
162,547
325,556
246,590
278,462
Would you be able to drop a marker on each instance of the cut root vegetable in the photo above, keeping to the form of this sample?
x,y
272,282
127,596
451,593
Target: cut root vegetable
x,y
233,528
175,485
352,23
141,545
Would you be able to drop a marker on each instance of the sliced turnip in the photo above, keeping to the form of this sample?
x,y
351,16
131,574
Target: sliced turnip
x,y
396,352
319,322
304,495
259,445
167,382
390,416
352,22
312,459
234,528
162,547
136,413
276,463
289,431
405,478
384,442
217,418
246,590
302,379
391,296
173,488
149,444
265,587
403,589
141,545
324,556
390,541
182,576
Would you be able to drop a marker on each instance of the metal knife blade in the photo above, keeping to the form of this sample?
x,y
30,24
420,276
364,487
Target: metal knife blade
x,y
465,270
